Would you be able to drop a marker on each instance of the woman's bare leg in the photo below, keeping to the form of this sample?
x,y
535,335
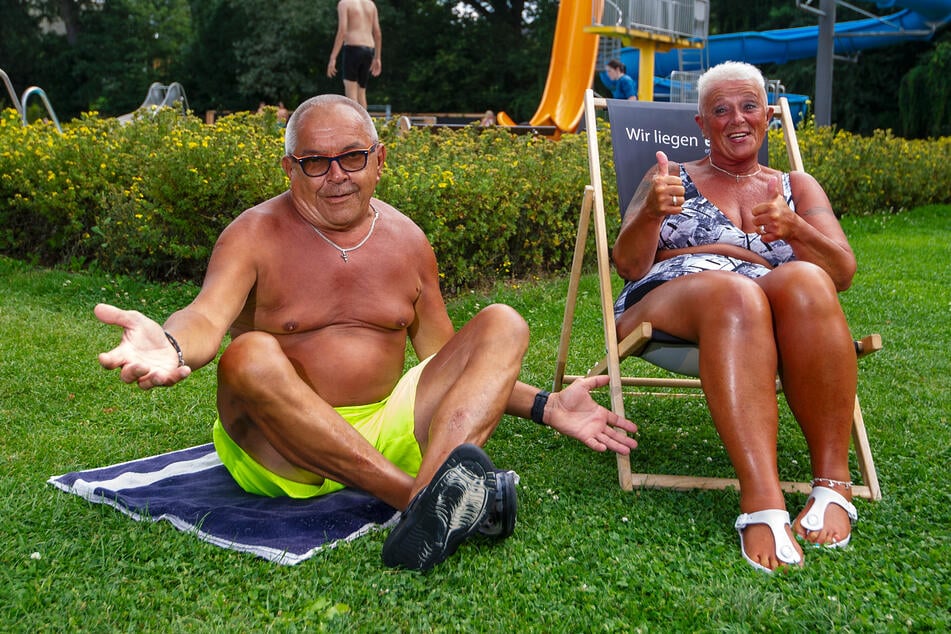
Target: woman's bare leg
x,y
730,318
819,373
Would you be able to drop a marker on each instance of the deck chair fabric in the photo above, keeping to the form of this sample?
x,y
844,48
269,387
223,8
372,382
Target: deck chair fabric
x,y
641,128
638,130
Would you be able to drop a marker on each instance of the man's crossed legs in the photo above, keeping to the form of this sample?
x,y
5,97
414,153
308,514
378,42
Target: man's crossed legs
x,y
281,422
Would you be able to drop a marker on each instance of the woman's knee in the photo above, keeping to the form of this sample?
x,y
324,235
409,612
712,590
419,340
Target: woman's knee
x,y
734,301
801,288
705,303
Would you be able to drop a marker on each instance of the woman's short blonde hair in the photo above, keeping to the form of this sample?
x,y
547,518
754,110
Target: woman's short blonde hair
x,y
729,71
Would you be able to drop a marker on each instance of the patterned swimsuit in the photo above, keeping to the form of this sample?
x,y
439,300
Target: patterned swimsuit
x,y
700,223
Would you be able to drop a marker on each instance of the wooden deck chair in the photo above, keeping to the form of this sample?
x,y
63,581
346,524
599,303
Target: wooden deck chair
x,y
673,129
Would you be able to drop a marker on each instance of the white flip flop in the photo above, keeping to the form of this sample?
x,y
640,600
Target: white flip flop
x,y
814,520
777,520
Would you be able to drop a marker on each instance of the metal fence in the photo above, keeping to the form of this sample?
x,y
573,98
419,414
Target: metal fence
x,y
676,18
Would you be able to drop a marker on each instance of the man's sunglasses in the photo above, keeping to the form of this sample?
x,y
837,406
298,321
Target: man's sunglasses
x,y
317,165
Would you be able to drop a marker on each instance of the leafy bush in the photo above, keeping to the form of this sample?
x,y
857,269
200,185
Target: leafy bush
x,y
150,197
493,204
865,175
924,95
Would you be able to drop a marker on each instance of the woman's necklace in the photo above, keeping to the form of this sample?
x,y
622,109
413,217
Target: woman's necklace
x,y
344,252
736,176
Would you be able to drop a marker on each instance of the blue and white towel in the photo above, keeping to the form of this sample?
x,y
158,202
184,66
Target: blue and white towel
x,y
192,490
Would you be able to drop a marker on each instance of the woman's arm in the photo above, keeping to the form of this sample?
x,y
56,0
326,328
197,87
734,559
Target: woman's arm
x,y
635,249
813,231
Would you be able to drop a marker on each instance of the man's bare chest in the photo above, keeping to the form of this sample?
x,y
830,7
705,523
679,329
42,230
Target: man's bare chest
x,y
294,297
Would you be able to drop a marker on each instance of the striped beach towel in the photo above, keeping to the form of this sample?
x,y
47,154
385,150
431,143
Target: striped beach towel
x,y
192,490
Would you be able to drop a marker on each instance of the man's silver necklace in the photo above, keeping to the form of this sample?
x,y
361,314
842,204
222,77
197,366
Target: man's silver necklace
x,y
344,253
736,176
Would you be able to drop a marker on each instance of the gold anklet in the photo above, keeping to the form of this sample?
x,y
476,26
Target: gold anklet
x,y
842,483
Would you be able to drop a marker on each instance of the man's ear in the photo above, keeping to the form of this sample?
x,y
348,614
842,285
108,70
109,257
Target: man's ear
x,y
287,164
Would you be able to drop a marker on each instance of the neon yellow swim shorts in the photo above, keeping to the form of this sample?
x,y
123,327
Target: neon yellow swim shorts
x,y
388,425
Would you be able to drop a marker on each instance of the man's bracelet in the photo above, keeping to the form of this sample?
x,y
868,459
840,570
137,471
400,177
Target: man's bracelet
x,y
538,407
178,348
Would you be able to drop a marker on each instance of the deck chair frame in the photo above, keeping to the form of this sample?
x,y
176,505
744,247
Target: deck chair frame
x,y
592,210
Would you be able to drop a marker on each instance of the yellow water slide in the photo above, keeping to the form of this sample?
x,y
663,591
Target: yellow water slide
x,y
574,55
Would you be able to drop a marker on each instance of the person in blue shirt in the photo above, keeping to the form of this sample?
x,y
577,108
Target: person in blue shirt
x,y
620,83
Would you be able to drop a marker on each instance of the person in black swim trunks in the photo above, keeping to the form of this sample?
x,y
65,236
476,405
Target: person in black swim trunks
x,y
360,40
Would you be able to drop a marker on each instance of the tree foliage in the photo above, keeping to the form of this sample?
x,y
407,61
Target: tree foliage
x,y
735,16
492,56
925,95
865,90
281,57
89,55
438,56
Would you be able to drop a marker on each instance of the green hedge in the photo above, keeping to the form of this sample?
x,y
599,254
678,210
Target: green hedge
x,y
493,204
877,174
150,197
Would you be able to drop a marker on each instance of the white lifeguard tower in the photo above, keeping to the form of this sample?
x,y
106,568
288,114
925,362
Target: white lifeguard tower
x,y
653,26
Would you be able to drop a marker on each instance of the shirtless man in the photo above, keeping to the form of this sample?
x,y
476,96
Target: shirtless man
x,y
360,39
319,288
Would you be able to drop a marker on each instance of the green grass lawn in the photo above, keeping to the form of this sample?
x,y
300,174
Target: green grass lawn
x,y
586,556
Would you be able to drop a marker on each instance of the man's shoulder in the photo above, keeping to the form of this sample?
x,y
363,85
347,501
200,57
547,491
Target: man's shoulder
x,y
403,222
628,86
276,205
386,208
269,212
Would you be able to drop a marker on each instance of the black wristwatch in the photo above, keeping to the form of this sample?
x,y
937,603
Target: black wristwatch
x,y
538,407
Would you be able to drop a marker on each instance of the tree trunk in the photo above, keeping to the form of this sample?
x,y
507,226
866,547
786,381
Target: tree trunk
x,y
69,12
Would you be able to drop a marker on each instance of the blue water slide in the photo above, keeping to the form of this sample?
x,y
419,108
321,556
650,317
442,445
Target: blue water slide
x,y
936,11
917,20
